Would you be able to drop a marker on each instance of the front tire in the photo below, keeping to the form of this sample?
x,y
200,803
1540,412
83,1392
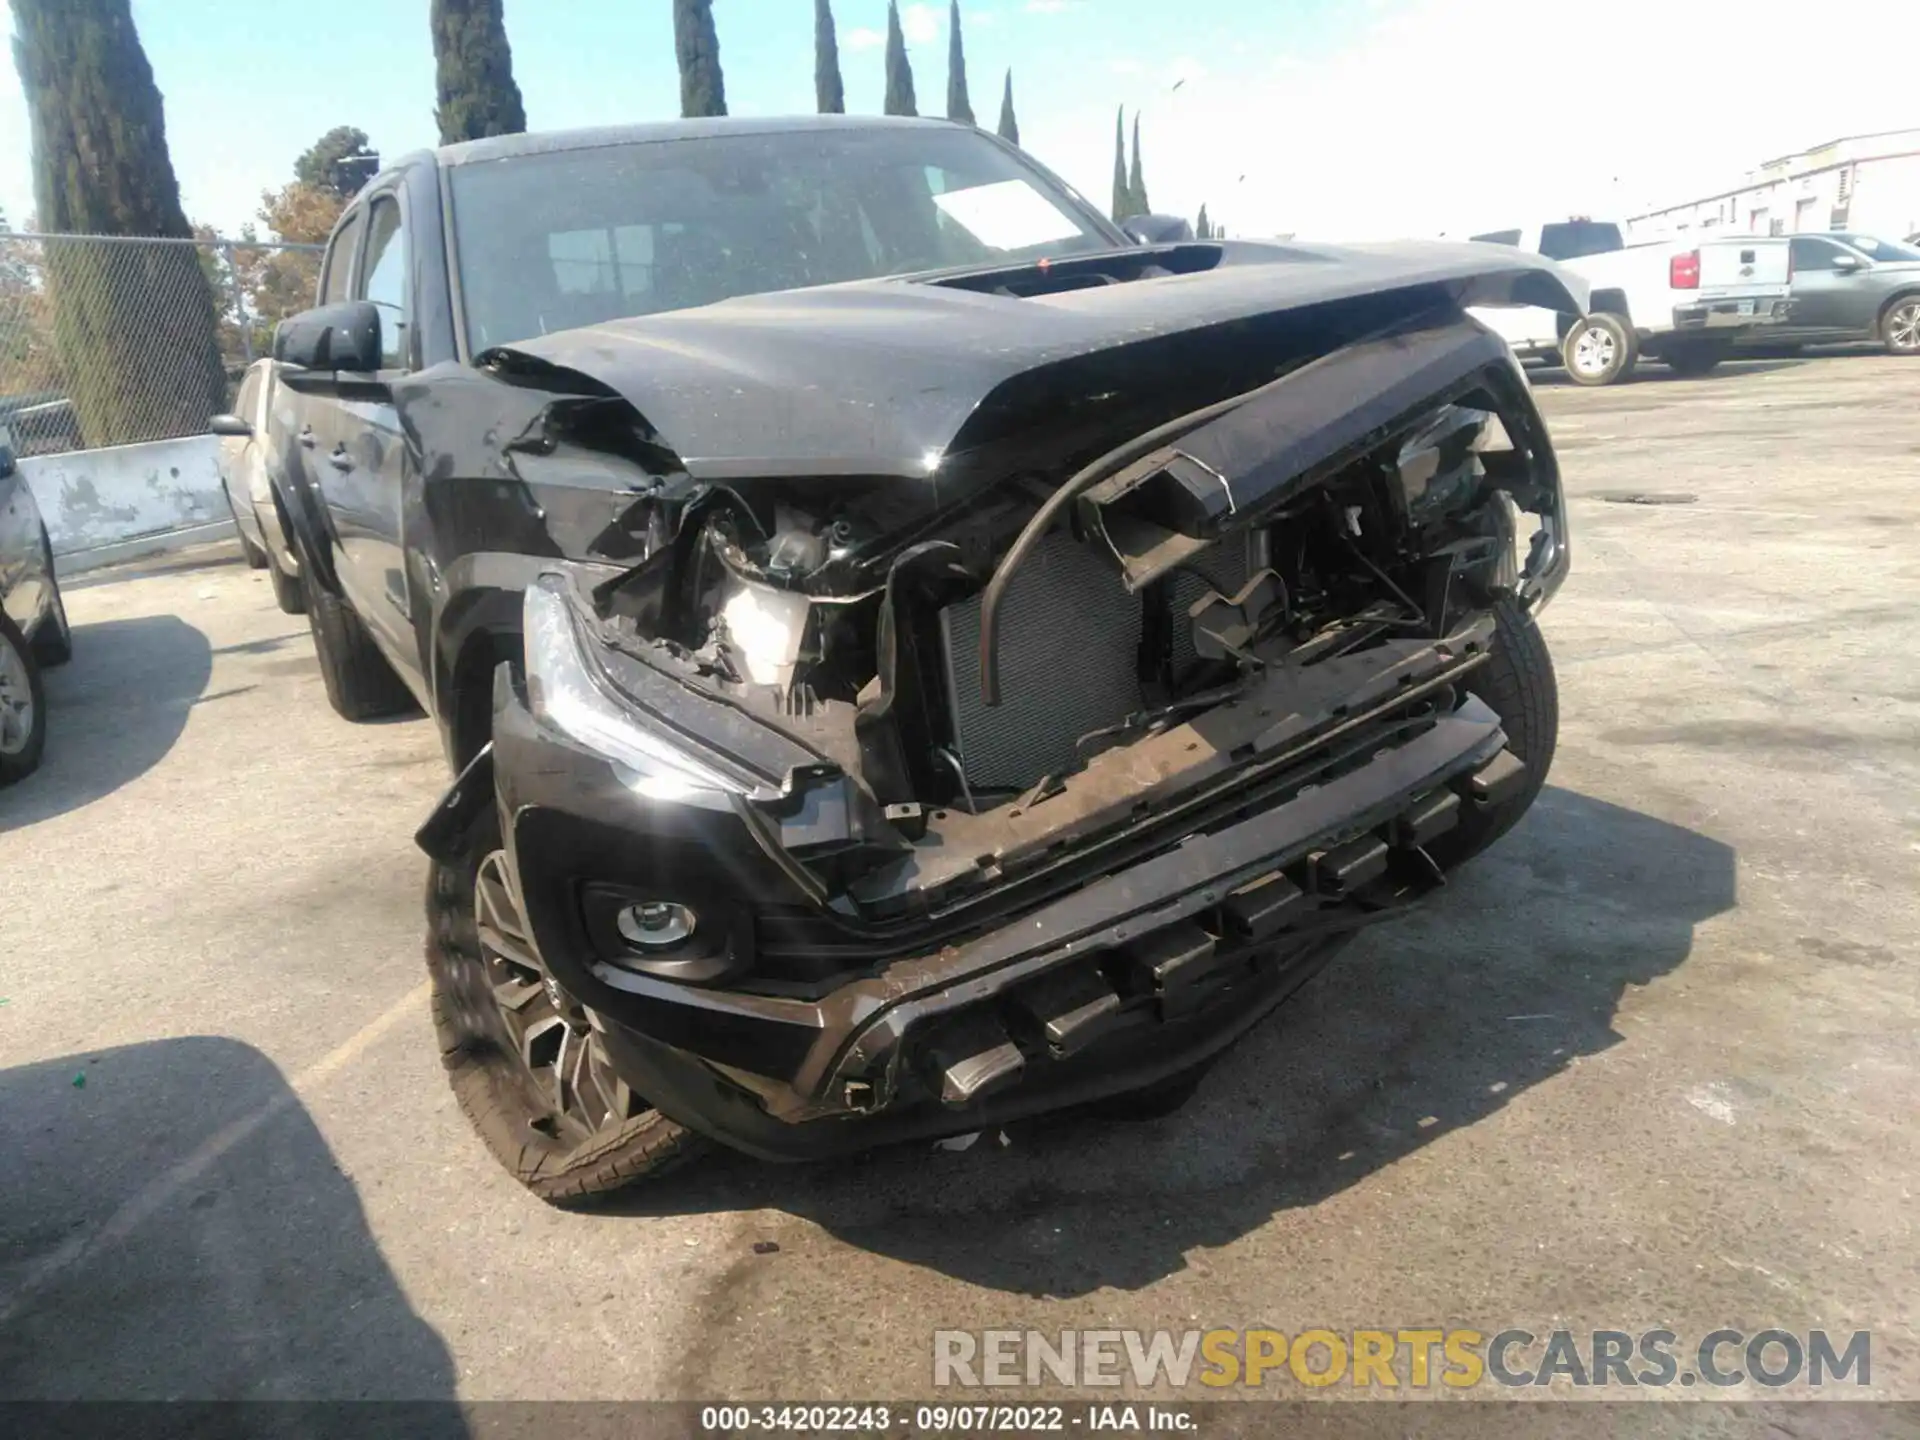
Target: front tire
x,y
361,685
1900,329
525,1061
23,706
1600,349
1517,683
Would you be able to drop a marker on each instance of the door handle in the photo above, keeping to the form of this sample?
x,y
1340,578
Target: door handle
x,y
306,437
340,460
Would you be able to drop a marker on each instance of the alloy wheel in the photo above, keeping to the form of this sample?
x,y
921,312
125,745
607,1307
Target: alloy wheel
x,y
1594,351
1903,326
16,700
551,1034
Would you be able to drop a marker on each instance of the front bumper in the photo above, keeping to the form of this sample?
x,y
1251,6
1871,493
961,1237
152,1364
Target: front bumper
x,y
1099,988
1732,313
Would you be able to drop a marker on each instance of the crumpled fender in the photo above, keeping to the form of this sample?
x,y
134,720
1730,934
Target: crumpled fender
x,y
465,802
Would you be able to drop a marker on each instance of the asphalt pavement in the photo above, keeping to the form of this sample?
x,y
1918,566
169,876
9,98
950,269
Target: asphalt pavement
x,y
1650,1062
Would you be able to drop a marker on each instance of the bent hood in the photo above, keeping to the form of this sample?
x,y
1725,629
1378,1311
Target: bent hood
x,y
890,377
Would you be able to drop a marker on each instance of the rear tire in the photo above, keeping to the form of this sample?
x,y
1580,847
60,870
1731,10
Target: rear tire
x,y
1900,326
1600,349
53,642
288,593
524,1061
361,685
1517,683
1694,359
23,706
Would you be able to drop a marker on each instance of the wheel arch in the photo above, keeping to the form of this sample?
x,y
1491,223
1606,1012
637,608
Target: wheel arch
x,y
308,534
1611,302
484,635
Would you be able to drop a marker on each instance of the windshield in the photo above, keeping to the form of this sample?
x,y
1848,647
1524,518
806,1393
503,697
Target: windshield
x,y
556,241
1880,249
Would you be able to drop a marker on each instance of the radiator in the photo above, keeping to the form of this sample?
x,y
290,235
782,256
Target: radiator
x,y
1223,567
1069,664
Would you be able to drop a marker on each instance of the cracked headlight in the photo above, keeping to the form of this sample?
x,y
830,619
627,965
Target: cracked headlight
x,y
564,693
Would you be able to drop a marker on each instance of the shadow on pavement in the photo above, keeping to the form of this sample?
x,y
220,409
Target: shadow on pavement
x,y
1422,1026
1651,370
113,712
176,1229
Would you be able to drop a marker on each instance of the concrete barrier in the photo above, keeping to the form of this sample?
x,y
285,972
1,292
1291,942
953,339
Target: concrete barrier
x,y
93,499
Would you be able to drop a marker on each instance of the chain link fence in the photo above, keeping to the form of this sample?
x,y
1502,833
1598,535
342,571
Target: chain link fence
x,y
107,340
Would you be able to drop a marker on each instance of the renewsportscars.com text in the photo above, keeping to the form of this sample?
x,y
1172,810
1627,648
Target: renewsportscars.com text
x,y
1399,1358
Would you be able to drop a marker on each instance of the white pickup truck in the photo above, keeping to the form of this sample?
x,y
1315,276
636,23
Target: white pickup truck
x,y
1683,302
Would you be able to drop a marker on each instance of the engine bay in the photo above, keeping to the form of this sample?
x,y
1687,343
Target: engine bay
x,y
992,678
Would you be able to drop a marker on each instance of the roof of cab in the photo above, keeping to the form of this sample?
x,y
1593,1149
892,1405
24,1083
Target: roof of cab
x,y
501,147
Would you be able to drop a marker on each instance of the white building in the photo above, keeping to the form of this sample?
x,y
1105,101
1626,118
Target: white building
x,y
1869,183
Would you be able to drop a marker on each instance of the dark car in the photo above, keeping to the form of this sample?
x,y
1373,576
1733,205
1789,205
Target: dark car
x,y
33,620
914,654
1849,286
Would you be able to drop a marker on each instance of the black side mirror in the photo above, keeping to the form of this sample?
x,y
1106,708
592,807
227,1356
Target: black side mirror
x,y
231,426
330,339
1157,229
8,465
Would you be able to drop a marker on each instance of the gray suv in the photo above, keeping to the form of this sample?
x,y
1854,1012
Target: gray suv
x,y
1849,286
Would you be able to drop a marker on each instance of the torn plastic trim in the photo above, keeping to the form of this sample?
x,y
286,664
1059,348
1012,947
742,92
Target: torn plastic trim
x,y
875,1014
1240,466
797,801
564,692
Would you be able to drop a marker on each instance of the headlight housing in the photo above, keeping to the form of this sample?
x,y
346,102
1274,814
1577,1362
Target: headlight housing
x,y
564,692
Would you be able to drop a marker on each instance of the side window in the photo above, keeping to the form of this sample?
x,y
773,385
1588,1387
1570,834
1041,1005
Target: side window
x,y
1813,254
384,280
338,283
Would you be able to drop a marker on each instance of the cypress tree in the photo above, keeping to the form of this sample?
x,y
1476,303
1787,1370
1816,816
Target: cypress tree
x,y
827,91
959,107
473,71
1122,196
339,162
702,91
1009,127
1136,183
900,99
1201,229
134,325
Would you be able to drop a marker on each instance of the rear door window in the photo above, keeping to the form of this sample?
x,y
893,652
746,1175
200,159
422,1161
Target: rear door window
x,y
1815,254
1570,239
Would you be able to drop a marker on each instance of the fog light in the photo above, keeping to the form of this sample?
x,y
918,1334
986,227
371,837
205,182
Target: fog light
x,y
655,924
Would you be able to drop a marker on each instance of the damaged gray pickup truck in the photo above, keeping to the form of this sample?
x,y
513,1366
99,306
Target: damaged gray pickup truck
x,y
913,656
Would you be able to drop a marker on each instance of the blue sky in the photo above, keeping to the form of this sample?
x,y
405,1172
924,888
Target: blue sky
x,y
1362,118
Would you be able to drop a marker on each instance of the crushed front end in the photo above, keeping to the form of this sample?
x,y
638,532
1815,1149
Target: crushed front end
x,y
847,825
